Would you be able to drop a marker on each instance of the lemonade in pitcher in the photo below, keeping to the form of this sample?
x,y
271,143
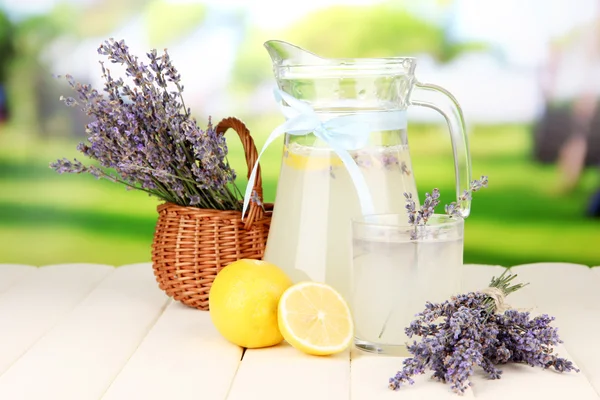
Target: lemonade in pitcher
x,y
316,200
345,155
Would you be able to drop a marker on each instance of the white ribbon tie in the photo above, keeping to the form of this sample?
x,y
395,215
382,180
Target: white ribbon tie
x,y
342,134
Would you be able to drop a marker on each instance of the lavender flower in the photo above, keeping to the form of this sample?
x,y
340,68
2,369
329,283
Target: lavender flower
x,y
467,331
255,198
404,169
453,208
143,136
363,159
414,216
385,159
64,165
389,160
418,218
431,202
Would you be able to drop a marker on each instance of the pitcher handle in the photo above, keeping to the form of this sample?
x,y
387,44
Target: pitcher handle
x,y
445,103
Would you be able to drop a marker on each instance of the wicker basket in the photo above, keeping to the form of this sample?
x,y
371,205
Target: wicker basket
x,y
191,245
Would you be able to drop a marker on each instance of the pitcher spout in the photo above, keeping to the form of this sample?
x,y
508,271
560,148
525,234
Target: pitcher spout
x,y
284,54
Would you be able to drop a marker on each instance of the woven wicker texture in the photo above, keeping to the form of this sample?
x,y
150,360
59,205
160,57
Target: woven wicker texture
x,y
191,245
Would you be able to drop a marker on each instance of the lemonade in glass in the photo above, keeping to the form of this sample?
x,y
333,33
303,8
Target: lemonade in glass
x,y
394,274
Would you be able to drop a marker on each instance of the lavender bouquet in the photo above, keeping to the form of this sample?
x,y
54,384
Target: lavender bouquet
x,y
143,136
474,329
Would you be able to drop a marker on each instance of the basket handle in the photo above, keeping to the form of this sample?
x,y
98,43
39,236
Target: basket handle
x,y
255,210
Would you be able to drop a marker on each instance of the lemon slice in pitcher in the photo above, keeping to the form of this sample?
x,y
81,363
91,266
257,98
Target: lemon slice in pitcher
x,y
310,159
315,319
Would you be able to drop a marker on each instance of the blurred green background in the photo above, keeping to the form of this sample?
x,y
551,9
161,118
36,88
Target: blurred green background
x,y
533,210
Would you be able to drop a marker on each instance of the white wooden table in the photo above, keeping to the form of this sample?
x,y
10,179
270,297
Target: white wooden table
x,y
84,331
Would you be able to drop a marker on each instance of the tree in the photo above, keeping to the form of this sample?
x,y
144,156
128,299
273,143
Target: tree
x,y
7,50
375,31
383,30
6,56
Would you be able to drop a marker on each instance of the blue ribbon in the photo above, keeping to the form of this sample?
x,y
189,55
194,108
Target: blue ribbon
x,y
342,134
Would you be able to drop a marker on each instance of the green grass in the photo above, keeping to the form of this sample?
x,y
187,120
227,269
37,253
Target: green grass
x,y
47,218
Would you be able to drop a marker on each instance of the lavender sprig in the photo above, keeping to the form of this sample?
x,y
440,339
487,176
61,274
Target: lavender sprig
x,y
472,333
142,135
418,218
453,208
431,202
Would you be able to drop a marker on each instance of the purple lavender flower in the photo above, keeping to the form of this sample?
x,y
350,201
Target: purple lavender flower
x,y
420,217
404,168
466,331
453,209
195,199
363,159
478,184
431,201
255,198
414,216
145,134
64,165
389,160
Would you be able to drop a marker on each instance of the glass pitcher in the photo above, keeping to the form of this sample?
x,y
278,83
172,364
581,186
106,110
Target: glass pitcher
x,y
345,154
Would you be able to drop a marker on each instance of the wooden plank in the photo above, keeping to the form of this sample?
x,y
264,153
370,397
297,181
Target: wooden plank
x,y
32,307
560,283
11,274
282,372
562,290
370,376
523,382
571,293
577,327
182,357
370,373
80,356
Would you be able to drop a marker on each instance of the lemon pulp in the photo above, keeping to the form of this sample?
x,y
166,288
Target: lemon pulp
x,y
310,158
315,319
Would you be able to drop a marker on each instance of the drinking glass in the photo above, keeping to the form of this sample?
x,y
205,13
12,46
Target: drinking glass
x,y
396,269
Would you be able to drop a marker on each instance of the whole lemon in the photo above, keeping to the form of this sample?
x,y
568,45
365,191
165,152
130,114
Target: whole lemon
x,y
243,302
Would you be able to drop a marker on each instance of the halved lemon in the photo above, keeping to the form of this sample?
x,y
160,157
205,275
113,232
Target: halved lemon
x,y
314,318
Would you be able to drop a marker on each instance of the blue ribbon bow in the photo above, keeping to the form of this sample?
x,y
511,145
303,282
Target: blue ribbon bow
x,y
342,134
